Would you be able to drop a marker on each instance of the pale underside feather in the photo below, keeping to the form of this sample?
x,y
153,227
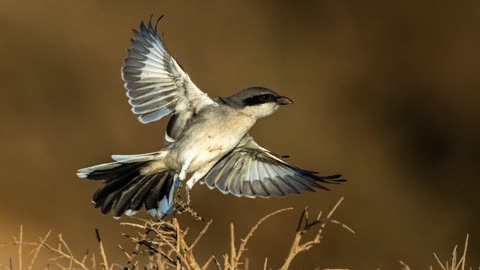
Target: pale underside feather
x,y
156,84
252,171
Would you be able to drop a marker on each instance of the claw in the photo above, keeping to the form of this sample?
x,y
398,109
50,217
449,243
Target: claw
x,y
189,201
184,207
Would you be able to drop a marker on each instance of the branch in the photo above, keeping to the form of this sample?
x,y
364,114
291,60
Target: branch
x,y
102,250
244,241
303,226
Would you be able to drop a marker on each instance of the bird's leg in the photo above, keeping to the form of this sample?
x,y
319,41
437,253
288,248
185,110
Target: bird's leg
x,y
187,206
178,196
187,193
183,170
182,206
194,179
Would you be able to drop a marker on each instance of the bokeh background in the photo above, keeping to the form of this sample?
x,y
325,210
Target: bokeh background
x,y
386,93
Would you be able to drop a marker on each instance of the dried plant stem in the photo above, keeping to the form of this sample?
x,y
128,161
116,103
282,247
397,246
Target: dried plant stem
x,y
453,264
64,255
179,235
233,262
102,250
226,264
38,248
60,237
438,261
207,263
297,247
20,245
161,245
294,250
174,249
85,257
244,241
217,263
94,261
464,256
204,230
190,258
405,266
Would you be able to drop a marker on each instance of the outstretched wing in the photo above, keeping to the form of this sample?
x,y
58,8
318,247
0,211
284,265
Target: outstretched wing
x,y
252,171
156,84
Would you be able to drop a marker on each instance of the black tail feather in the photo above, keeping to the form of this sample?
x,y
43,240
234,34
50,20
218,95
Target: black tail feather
x,y
114,184
125,188
139,198
157,192
124,199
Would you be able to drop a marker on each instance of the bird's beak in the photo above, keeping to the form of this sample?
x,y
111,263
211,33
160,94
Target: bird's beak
x,y
281,100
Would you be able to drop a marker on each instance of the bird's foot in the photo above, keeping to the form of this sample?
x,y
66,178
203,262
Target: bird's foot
x,y
183,207
195,215
189,201
178,196
186,207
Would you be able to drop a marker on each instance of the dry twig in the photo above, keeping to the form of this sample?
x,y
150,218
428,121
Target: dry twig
x,y
297,247
102,250
453,264
162,245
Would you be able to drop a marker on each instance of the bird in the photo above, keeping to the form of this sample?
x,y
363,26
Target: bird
x,y
205,138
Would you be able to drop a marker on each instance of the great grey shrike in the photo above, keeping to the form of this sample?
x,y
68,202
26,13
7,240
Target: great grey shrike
x,y
205,138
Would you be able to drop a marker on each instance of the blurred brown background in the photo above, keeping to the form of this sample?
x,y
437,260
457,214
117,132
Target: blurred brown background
x,y
386,92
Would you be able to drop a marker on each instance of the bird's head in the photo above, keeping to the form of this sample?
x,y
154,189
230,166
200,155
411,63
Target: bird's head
x,y
257,102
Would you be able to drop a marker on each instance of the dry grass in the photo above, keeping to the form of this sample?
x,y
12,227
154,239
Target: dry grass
x,y
453,263
162,245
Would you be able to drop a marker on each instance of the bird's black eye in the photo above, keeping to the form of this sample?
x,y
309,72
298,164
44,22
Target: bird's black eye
x,y
264,97
259,99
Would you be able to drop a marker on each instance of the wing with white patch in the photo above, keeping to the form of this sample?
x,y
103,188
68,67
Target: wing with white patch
x,y
252,171
156,84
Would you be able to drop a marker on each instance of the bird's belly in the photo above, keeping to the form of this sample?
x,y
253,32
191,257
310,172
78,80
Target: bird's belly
x,y
206,144
204,151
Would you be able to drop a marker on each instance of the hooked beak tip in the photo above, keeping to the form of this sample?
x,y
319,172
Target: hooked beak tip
x,y
284,100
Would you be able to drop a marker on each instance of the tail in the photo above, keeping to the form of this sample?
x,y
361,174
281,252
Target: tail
x,y
126,189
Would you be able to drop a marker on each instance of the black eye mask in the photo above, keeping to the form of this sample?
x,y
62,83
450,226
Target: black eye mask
x,y
260,99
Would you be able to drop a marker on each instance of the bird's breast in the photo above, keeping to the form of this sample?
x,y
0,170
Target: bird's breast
x,y
209,140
